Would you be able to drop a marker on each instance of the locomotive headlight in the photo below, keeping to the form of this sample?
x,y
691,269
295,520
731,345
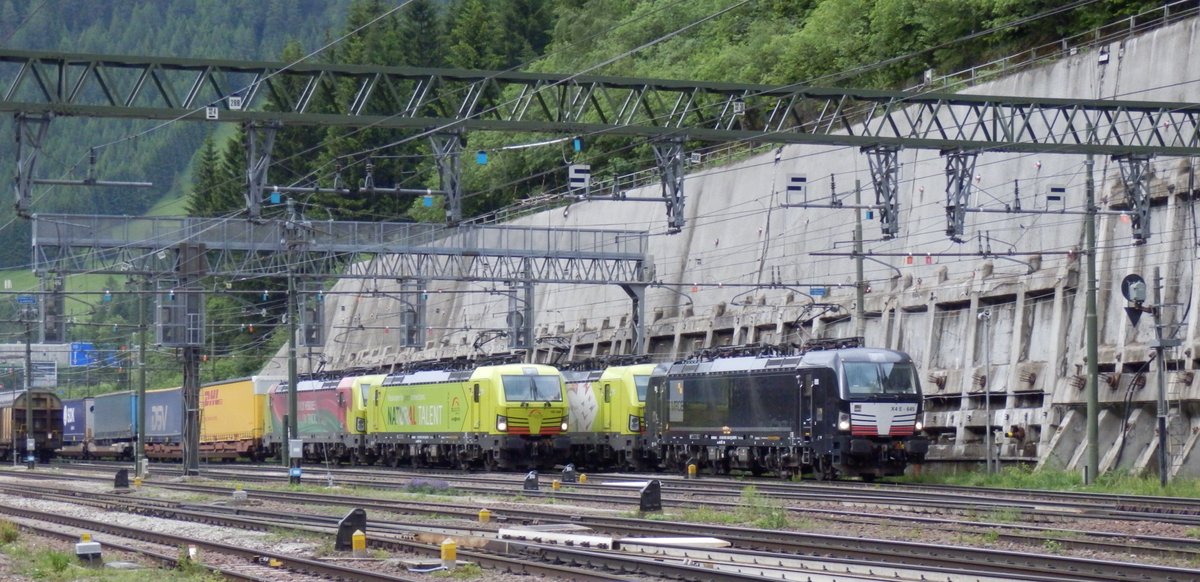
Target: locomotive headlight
x,y
843,421
920,426
635,423
564,425
501,423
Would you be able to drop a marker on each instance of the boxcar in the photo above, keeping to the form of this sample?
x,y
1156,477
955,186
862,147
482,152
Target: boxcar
x,y
47,424
77,428
231,419
607,416
114,431
164,424
499,417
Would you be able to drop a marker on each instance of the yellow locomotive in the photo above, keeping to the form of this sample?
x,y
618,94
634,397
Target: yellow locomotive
x,y
511,416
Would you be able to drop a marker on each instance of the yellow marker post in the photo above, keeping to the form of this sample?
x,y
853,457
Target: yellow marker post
x,y
556,484
691,471
449,553
485,516
87,537
137,481
358,543
583,478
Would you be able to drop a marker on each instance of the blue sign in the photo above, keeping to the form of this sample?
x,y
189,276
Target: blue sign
x,y
26,299
82,354
294,472
816,291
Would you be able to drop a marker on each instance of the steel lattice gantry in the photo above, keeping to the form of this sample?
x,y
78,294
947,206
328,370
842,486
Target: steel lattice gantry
x,y
441,102
168,88
246,248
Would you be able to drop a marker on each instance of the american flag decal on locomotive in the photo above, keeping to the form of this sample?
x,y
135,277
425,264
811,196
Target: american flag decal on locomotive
x,y
883,419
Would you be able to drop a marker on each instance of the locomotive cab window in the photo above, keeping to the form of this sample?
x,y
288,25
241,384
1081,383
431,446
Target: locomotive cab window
x,y
641,383
873,379
542,388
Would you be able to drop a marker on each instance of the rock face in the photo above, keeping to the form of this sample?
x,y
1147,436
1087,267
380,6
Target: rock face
x,y
741,271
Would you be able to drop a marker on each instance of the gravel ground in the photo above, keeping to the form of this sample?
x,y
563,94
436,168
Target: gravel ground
x,y
964,533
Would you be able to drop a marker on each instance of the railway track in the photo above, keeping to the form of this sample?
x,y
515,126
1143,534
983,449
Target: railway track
x,y
249,562
789,545
969,502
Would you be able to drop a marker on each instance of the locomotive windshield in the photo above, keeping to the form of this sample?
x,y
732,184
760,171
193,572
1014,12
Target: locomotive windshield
x,y
532,388
641,382
879,378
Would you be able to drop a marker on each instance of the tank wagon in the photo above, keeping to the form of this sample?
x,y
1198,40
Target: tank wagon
x,y
607,417
834,409
47,423
510,416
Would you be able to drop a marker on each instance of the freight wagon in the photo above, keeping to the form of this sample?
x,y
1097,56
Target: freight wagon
x,y
77,428
47,424
114,431
232,418
164,424
499,417
607,417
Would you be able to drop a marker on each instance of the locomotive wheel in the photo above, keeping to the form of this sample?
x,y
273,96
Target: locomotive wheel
x,y
823,469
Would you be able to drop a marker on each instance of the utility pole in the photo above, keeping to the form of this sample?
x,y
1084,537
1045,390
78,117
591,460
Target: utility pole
x,y
140,450
1093,369
292,461
1160,348
986,317
860,295
26,317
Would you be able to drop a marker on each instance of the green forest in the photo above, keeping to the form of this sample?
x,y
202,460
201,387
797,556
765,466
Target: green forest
x,y
851,43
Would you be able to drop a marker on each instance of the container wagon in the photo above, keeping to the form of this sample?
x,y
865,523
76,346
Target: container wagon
x,y
164,424
77,428
232,419
114,429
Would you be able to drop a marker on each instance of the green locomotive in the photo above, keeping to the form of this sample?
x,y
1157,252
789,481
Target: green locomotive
x,y
511,416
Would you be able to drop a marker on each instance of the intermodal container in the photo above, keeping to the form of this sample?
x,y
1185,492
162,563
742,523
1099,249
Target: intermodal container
x,y
76,416
164,415
230,411
114,414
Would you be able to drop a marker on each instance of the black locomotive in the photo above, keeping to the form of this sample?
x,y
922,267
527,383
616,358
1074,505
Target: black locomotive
x,y
831,408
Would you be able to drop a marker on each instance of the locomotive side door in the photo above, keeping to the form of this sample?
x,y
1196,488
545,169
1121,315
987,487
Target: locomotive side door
x,y
806,404
606,406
